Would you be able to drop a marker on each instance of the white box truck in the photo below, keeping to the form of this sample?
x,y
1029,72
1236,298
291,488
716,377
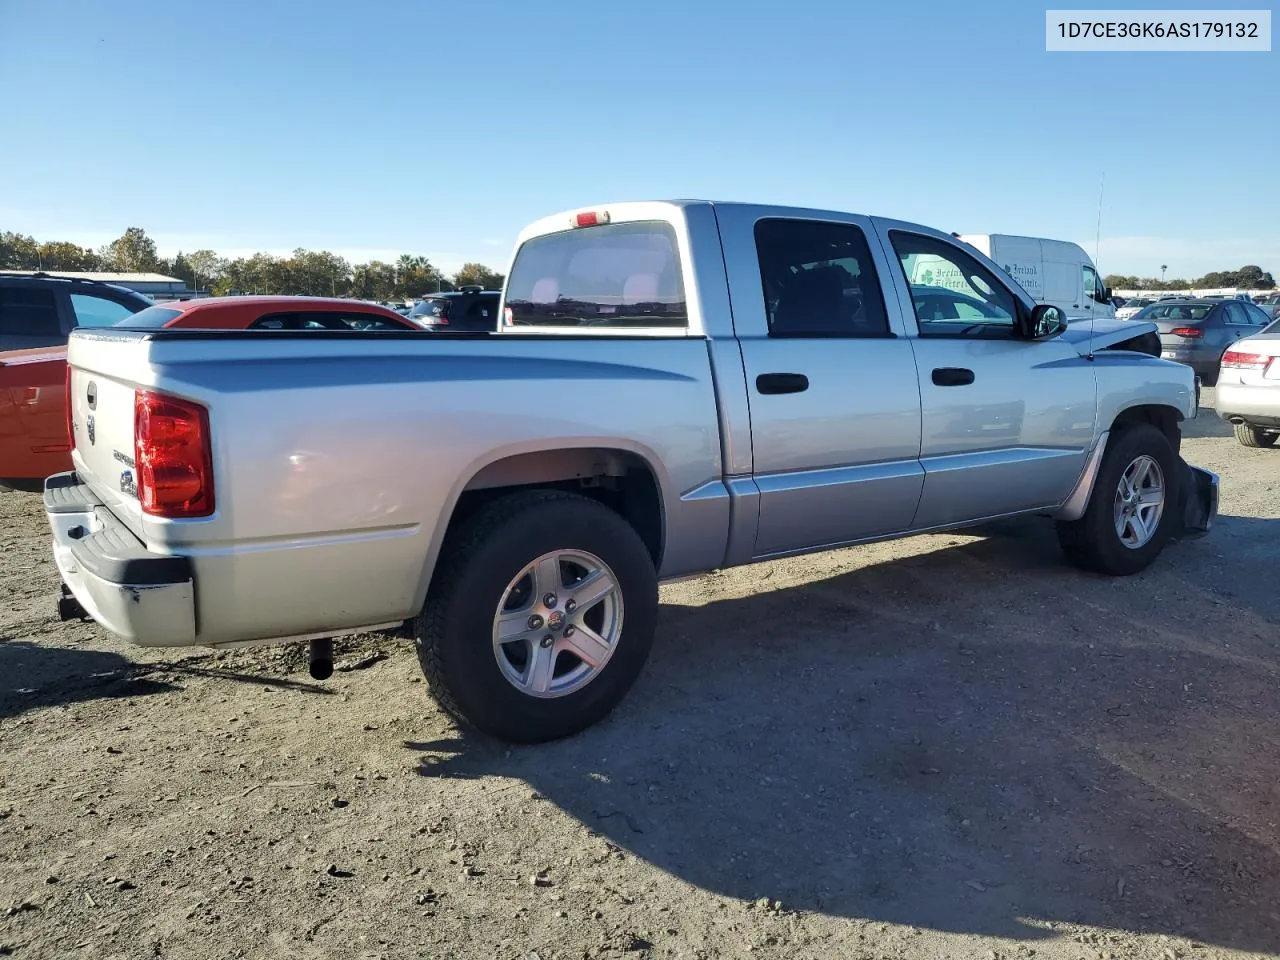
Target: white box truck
x,y
1052,271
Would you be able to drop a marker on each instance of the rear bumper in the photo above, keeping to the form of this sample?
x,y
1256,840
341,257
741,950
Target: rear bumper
x,y
146,598
1258,405
1202,358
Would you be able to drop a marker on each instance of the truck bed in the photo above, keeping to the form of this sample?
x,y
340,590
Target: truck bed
x,y
311,488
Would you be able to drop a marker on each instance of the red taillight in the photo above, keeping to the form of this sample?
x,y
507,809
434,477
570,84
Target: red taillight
x,y
1238,360
71,430
1187,332
173,456
591,219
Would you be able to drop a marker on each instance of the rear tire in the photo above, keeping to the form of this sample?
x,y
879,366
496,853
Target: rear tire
x,y
1095,541
476,592
1251,436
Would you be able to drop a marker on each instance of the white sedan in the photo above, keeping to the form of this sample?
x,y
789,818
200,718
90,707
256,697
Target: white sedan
x,y
1248,391
1131,307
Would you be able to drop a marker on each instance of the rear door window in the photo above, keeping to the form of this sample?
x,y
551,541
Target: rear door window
x,y
819,280
1236,315
613,275
1257,315
29,317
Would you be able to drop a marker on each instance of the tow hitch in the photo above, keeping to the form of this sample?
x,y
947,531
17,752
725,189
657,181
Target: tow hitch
x,y
69,607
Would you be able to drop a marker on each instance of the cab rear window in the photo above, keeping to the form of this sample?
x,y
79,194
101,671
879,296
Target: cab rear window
x,y
150,317
614,275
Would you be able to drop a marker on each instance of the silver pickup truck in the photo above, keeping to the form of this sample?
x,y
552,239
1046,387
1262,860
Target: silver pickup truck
x,y
675,387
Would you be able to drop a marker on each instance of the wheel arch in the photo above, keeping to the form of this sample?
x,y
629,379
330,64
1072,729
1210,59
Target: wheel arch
x,y
1163,417
623,476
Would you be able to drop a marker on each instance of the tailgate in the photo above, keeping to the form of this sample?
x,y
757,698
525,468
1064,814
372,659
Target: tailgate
x,y
101,392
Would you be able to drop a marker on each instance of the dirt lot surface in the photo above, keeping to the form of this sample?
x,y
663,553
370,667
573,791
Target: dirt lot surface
x,y
950,746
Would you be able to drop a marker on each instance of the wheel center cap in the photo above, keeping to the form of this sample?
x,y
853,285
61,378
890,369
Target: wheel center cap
x,y
555,620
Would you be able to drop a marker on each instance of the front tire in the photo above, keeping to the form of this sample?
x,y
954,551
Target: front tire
x,y
1132,510
540,616
1250,436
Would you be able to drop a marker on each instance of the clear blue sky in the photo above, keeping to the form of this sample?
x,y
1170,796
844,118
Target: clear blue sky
x,y
441,128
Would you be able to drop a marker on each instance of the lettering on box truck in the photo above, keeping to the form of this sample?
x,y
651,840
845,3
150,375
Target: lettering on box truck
x,y
935,272
1028,275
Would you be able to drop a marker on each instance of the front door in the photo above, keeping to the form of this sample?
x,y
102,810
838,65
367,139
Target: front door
x,y
1006,423
831,381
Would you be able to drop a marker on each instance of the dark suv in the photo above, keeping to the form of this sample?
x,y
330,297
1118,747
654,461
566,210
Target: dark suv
x,y
38,310
466,309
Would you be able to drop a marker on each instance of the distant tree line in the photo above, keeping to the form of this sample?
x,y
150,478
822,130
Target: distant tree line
x,y
306,272
1246,278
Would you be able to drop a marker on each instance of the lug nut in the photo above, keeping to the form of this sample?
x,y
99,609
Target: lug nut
x,y
535,622
550,600
570,605
547,641
570,630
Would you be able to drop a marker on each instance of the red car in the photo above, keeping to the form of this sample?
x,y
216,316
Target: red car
x,y
33,403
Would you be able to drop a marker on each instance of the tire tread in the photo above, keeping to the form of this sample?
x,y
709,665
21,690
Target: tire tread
x,y
467,684
1084,541
1250,436
475,530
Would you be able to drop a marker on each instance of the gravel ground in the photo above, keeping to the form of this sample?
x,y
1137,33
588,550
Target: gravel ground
x,y
946,747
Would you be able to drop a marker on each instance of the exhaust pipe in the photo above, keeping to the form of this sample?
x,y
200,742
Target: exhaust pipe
x,y
322,658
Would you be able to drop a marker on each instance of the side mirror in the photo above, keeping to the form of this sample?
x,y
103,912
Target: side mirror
x,y
1045,321
1106,293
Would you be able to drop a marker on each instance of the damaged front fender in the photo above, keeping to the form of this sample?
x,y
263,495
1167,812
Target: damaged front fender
x,y
1198,501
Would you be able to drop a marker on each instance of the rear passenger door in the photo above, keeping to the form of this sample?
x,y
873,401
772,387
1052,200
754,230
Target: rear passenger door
x,y
834,403
1237,323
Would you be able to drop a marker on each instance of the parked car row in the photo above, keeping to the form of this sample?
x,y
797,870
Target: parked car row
x,y
1199,332
469,308
38,313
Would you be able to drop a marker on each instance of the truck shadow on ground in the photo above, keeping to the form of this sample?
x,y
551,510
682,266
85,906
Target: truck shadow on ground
x,y
1059,748
32,675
